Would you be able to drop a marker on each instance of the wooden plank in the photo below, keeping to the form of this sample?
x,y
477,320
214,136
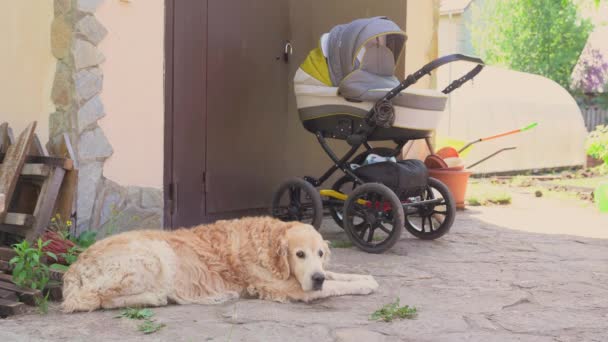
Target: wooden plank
x,y
2,203
7,278
11,308
54,291
37,149
13,163
46,203
17,219
66,164
9,295
5,266
66,200
28,296
35,170
6,137
6,253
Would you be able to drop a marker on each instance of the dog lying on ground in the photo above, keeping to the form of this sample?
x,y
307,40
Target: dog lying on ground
x,y
208,264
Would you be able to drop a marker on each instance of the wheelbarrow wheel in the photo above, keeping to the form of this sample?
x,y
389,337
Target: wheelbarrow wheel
x,y
373,218
435,220
298,200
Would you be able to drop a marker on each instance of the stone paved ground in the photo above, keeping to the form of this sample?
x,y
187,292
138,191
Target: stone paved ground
x,y
481,282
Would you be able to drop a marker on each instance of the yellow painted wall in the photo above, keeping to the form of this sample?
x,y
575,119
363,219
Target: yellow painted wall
x,y
133,90
27,67
421,29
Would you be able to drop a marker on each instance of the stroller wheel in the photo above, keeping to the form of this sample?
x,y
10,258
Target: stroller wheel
x,y
345,185
433,221
373,217
298,200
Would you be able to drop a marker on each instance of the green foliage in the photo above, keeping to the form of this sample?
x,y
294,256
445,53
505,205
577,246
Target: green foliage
x,y
543,37
391,311
43,304
597,143
86,239
149,326
60,226
134,313
341,244
29,270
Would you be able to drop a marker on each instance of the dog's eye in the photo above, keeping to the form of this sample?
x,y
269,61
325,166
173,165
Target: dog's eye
x,y
300,255
321,254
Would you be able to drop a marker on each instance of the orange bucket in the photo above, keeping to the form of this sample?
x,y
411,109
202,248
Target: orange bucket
x,y
456,181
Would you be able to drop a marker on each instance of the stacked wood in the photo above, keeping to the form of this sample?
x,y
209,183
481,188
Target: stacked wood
x,y
34,186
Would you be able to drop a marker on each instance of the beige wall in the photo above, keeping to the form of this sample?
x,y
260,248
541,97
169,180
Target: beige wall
x,y
421,29
133,90
27,66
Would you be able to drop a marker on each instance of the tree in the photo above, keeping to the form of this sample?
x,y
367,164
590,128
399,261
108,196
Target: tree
x,y
542,37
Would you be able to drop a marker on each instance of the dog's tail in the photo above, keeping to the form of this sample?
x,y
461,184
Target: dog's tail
x,y
75,296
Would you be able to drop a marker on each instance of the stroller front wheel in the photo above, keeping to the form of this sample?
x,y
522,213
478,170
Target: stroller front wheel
x,y
373,218
433,221
298,200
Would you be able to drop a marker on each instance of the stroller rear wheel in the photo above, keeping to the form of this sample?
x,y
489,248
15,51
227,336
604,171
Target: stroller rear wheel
x,y
298,200
433,221
373,217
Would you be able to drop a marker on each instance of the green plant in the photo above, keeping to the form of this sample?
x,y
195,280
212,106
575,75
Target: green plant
x,y
150,327
30,271
134,313
597,144
341,244
43,304
391,311
85,239
543,37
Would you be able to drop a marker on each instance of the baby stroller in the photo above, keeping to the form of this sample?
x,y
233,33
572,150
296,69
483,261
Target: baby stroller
x,y
346,89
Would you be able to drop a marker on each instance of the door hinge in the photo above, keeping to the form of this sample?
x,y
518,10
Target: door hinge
x,y
172,198
204,182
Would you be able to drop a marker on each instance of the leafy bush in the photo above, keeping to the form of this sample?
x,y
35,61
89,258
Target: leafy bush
x,y
597,144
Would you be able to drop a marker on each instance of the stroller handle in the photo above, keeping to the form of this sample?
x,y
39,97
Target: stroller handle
x,y
364,132
428,68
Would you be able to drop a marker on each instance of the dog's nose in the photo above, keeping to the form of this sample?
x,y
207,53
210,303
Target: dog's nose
x,y
317,280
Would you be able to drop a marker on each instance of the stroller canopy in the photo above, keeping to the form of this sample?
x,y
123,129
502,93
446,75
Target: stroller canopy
x,y
346,43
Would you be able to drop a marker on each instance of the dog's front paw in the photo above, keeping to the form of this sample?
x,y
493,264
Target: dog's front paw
x,y
371,285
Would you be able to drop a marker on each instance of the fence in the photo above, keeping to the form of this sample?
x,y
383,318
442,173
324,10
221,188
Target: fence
x,y
594,116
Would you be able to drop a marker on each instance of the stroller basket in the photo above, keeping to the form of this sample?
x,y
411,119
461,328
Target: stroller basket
x,y
406,178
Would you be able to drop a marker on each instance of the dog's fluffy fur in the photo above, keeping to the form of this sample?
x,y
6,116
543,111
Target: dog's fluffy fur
x,y
208,264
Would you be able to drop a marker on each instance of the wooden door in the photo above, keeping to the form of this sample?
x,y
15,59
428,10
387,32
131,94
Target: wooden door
x,y
226,107
247,103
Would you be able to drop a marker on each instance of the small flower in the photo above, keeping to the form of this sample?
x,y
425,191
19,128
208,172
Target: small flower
x,y
68,223
53,220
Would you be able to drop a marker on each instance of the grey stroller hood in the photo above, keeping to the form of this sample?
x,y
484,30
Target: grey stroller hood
x,y
382,42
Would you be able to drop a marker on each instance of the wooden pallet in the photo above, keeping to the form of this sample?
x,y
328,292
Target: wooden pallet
x,y
34,185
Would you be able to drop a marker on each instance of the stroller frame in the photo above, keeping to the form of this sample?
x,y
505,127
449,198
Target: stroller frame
x,y
359,139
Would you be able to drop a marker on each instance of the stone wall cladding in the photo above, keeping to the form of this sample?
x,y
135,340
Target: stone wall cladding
x,y
102,204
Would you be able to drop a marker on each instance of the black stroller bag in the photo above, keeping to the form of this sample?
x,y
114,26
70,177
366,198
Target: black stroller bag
x,y
405,178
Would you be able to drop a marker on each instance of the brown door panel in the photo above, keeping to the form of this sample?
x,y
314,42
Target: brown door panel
x,y
247,102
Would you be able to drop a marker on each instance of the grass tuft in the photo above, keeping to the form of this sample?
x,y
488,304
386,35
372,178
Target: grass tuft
x,y
393,311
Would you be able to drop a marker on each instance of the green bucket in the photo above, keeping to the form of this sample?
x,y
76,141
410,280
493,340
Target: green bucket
x,y
601,197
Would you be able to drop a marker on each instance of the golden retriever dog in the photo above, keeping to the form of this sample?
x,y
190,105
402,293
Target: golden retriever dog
x,y
208,264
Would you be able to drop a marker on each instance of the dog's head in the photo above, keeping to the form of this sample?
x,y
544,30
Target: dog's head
x,y
302,252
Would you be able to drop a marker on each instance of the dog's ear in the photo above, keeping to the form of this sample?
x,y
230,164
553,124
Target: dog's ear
x,y
279,257
326,252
